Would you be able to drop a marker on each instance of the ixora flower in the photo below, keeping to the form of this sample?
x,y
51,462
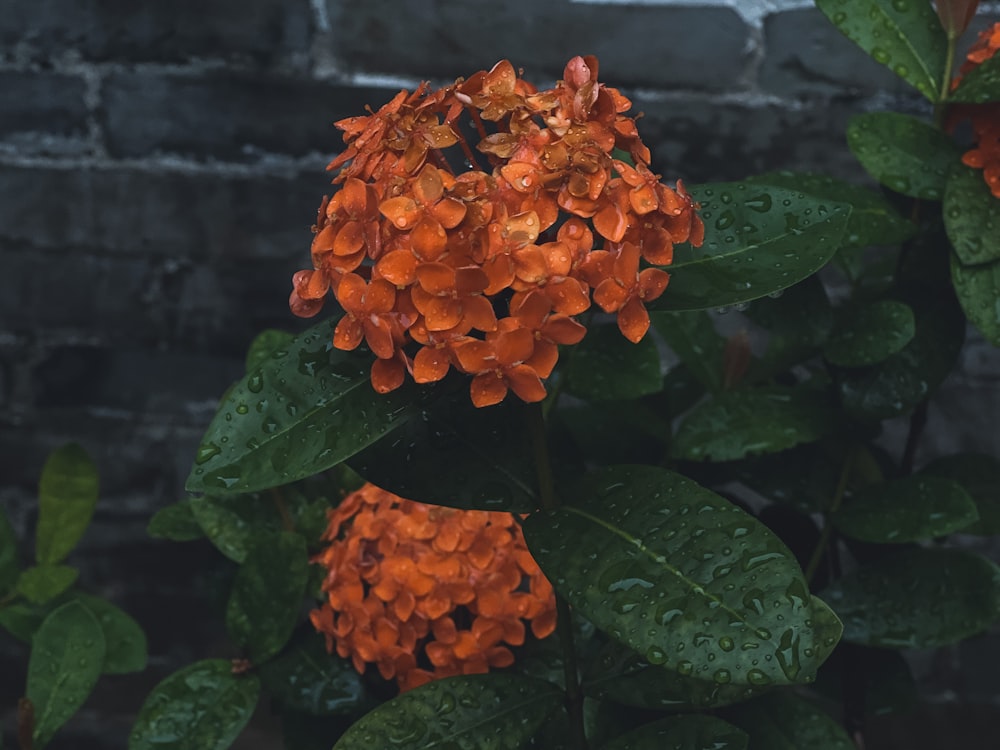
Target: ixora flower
x,y
424,592
474,223
985,118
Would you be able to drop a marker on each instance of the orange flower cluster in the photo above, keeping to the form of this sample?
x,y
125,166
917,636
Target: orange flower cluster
x,y
985,118
439,263
425,592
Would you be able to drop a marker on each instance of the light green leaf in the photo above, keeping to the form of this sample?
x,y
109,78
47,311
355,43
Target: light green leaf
x,y
305,410
606,366
906,510
267,594
125,642
979,85
971,217
175,522
691,732
307,679
786,721
978,290
979,474
683,577
903,153
696,343
67,653
67,494
903,35
867,334
265,344
203,706
917,598
739,423
458,712
43,583
759,239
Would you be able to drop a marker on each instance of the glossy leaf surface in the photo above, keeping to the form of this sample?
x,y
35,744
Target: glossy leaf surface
x,y
684,578
67,653
606,366
175,522
785,721
759,239
904,153
202,706
306,679
979,474
124,639
868,334
306,409
43,583
907,510
739,423
265,344
231,521
692,732
979,85
798,323
458,712
918,598
267,593
696,343
903,35
67,494
971,217
978,290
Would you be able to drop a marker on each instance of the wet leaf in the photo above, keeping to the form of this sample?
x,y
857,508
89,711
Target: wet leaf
x,y
971,217
739,423
978,290
696,343
873,221
867,334
67,653
456,455
124,639
606,366
267,594
684,578
265,344
902,152
21,619
917,598
798,322
979,85
231,521
306,409
802,477
458,712
8,555
903,35
175,522
692,732
307,679
759,239
906,510
67,494
202,706
43,583
979,474
784,720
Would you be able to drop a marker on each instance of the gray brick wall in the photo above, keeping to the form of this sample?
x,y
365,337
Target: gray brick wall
x,y
160,165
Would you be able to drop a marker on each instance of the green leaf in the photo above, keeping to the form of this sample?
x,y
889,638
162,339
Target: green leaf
x,y
9,565
67,494
904,36
43,583
21,619
683,577
691,732
606,366
748,421
786,721
231,521
802,477
458,712
971,216
125,642
759,239
265,344
979,474
457,455
869,333
67,653
307,679
917,598
905,154
696,343
906,510
267,594
978,290
175,522
798,322
203,706
873,220
306,409
979,85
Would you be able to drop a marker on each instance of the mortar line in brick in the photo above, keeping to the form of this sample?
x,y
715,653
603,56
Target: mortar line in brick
x,y
271,166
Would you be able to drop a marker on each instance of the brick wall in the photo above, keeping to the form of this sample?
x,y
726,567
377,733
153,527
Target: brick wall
x,y
160,165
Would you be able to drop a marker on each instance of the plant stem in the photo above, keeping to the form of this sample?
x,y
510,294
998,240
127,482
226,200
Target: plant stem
x,y
824,538
918,421
564,622
279,502
941,105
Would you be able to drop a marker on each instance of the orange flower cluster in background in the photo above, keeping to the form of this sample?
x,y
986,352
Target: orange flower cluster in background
x,y
424,592
985,118
440,264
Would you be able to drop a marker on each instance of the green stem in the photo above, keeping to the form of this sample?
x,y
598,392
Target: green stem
x,y
564,622
825,535
279,502
941,105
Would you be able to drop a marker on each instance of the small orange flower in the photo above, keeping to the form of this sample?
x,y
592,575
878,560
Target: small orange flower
x,y
424,592
985,118
434,264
